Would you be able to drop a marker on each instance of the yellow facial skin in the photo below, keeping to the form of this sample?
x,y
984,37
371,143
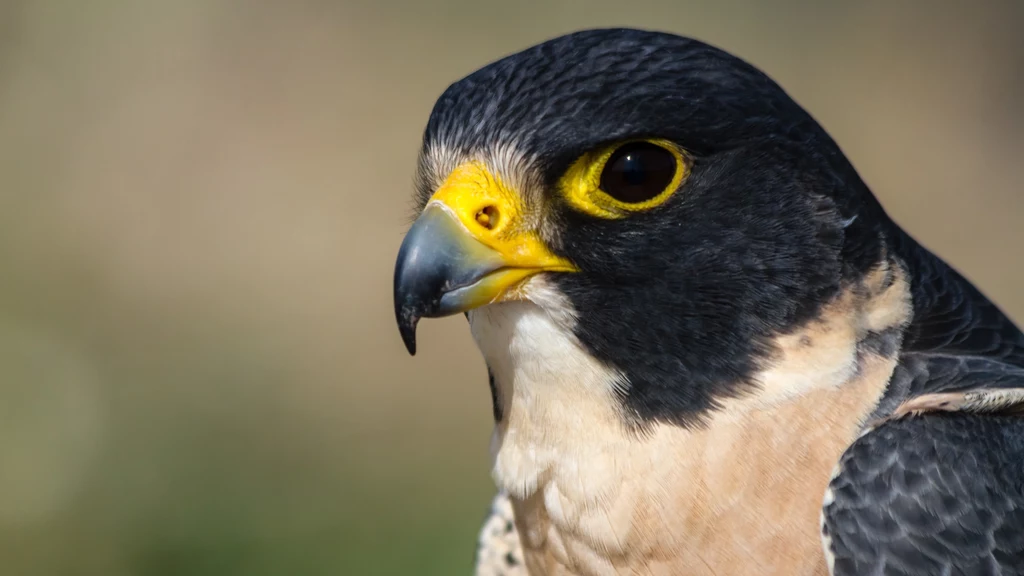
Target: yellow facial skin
x,y
493,215
581,184
472,245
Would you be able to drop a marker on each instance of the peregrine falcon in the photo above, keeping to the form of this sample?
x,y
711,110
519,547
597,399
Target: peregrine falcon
x,y
710,350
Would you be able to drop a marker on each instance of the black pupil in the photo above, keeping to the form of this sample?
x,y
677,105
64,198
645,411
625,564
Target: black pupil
x,y
638,172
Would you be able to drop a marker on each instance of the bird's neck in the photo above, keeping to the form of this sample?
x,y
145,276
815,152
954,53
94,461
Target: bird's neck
x,y
950,314
558,405
582,476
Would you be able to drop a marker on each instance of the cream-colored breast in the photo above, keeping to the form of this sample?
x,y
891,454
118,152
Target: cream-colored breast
x,y
740,495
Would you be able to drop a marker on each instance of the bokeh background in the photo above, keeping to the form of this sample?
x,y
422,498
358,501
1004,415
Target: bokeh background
x,y
200,205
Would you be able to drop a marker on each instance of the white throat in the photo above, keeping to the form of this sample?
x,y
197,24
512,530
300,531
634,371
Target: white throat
x,y
560,410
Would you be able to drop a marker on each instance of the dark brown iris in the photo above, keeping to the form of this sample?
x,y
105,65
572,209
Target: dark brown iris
x,y
638,172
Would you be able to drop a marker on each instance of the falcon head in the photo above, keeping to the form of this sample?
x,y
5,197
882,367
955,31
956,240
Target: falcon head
x,y
664,207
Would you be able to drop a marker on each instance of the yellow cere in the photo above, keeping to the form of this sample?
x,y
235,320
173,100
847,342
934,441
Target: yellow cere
x,y
493,214
581,183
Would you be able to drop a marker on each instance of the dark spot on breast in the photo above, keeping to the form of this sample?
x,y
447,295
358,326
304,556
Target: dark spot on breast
x,y
806,341
495,402
885,343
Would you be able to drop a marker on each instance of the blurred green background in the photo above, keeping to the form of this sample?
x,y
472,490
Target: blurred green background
x,y
200,205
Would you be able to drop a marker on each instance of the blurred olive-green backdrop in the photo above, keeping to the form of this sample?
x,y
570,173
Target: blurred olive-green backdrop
x,y
200,205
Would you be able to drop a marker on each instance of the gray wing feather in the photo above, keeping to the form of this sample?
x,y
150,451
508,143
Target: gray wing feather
x,y
936,493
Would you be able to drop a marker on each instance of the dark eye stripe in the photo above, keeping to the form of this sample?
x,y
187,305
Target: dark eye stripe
x,y
638,172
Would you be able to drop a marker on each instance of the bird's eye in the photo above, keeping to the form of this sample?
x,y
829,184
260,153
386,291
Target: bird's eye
x,y
624,178
638,172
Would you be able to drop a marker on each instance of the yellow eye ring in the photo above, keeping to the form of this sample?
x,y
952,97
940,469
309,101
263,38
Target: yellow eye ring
x,y
624,178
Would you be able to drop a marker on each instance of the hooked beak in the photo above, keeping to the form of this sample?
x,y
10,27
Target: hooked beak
x,y
465,251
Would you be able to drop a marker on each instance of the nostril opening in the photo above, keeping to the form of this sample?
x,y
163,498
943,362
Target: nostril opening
x,y
488,217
